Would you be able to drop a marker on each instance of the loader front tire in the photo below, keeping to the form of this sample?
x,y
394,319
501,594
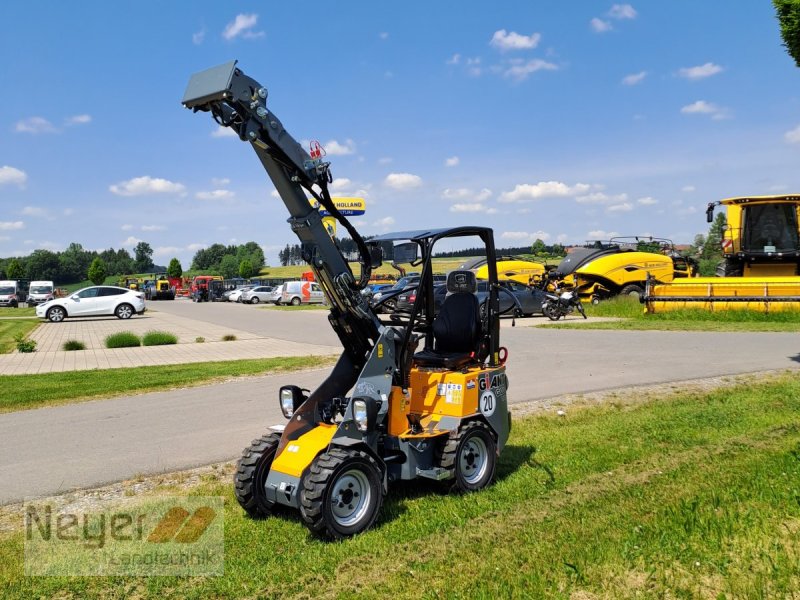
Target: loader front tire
x,y
470,456
251,475
342,493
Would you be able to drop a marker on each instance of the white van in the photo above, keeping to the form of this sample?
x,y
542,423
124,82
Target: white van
x,y
12,293
301,292
40,291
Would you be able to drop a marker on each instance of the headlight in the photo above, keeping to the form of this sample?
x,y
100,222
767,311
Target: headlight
x,y
360,414
287,403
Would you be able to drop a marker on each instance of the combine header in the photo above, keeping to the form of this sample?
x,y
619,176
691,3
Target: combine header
x,y
760,269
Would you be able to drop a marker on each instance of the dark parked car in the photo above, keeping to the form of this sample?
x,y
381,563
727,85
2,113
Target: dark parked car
x,y
530,299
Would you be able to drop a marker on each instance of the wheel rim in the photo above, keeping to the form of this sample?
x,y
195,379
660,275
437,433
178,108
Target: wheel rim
x,y
474,460
350,498
56,314
124,312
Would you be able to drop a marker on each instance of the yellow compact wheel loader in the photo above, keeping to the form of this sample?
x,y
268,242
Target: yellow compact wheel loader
x,y
760,269
420,395
620,266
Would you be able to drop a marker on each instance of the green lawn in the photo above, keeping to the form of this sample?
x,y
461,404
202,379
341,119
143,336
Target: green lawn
x,y
299,307
10,328
696,495
34,391
23,311
631,316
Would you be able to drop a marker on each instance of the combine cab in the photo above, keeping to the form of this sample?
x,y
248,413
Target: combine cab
x,y
620,267
761,261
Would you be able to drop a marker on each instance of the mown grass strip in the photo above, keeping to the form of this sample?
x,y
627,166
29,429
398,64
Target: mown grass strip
x,y
693,496
11,327
34,391
632,317
20,311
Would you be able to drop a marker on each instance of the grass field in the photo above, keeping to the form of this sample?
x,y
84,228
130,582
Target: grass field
x,y
632,316
697,495
34,391
24,311
11,327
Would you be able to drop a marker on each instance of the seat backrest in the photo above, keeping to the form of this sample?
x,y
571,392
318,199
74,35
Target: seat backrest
x,y
457,327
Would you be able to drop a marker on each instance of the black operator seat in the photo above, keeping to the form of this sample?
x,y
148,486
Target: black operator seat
x,y
457,327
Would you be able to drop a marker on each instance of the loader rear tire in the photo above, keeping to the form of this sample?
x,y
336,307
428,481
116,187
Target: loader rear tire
x,y
632,290
251,475
470,456
342,493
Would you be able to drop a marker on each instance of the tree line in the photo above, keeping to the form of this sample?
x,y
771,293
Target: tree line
x,y
245,260
72,265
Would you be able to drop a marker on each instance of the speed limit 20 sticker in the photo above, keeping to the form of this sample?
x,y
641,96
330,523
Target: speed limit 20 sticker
x,y
487,403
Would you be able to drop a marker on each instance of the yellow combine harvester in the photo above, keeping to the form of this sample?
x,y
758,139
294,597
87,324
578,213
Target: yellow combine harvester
x,y
761,261
620,266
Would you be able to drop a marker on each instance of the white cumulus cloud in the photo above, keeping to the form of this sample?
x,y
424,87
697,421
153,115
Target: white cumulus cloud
x,y
452,161
792,137
521,70
525,236
242,26
468,207
622,11
78,120
199,36
35,211
511,40
153,228
456,193
335,148
35,125
700,71
223,132
340,183
623,207
384,222
11,225
599,25
701,107
12,175
600,234
131,241
601,198
146,185
215,195
647,201
453,60
403,181
220,181
634,78
544,189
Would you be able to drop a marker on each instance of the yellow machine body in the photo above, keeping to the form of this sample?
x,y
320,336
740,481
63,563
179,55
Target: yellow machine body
x,y
762,294
608,274
523,271
761,254
433,396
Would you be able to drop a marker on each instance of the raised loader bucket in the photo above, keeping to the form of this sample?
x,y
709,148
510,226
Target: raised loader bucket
x,y
767,294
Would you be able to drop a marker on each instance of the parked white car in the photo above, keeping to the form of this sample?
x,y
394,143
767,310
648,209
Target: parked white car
x,y
98,300
257,294
275,295
236,295
301,292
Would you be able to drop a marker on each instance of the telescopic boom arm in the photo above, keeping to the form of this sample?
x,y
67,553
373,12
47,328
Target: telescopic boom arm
x,y
239,102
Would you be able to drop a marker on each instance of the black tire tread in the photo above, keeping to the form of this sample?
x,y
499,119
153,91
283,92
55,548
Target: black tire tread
x,y
446,454
244,476
315,483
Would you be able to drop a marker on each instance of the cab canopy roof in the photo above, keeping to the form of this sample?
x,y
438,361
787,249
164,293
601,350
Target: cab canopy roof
x,y
764,199
422,234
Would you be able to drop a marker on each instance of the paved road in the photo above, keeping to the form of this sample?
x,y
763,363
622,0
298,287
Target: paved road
x,y
55,449
309,326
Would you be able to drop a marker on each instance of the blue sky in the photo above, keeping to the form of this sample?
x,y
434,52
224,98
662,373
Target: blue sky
x,y
537,118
